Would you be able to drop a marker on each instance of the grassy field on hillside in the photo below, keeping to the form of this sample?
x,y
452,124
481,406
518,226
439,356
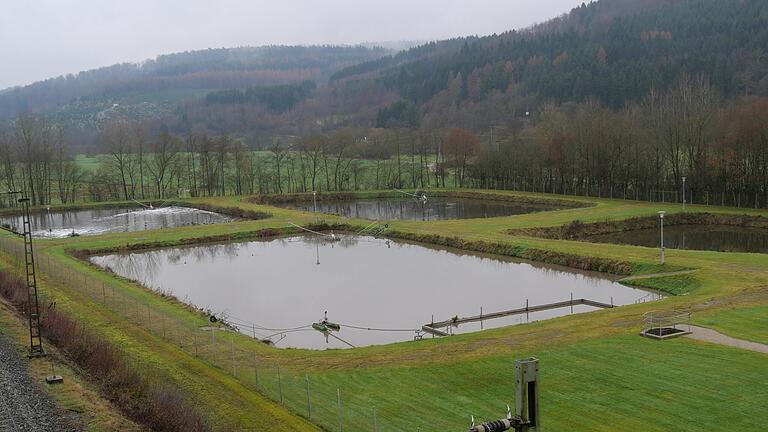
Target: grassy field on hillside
x,y
597,373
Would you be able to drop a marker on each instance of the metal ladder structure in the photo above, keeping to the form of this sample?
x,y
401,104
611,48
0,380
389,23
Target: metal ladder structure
x,y
33,303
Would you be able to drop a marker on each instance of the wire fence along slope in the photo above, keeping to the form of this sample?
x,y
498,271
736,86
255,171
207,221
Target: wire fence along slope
x,y
334,408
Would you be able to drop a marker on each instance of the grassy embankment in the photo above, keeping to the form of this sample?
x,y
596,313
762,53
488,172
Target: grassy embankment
x,y
597,373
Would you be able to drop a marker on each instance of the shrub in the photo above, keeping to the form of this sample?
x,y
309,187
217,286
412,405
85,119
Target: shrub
x,y
158,406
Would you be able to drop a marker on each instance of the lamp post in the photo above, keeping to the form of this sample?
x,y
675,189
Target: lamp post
x,y
661,218
314,200
683,193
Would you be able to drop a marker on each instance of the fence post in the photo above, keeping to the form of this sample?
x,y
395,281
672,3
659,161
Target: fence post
x,y
341,416
234,366
256,372
194,339
103,294
375,423
213,344
179,329
280,384
309,400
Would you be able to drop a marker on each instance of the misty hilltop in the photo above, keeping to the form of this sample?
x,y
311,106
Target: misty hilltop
x,y
612,51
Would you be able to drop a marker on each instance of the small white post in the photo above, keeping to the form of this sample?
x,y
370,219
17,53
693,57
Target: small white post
x,y
661,217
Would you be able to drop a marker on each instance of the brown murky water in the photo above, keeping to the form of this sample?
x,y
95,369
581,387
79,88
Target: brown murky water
x,y
721,238
435,208
268,287
111,220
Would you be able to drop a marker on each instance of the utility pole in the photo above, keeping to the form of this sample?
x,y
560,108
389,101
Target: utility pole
x,y
33,308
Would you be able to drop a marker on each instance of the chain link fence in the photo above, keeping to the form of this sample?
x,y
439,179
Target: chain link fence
x,y
316,399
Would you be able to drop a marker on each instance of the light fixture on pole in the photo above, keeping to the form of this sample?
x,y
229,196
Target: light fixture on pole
x,y
661,218
683,193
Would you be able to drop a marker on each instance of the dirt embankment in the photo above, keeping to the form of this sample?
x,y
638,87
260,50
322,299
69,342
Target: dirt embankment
x,y
617,267
348,196
578,230
233,211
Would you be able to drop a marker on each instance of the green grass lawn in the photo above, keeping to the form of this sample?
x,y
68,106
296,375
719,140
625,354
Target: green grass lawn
x,y
597,373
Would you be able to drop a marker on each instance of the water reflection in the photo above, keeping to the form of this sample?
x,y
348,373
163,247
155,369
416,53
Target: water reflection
x,y
109,220
368,283
437,208
722,238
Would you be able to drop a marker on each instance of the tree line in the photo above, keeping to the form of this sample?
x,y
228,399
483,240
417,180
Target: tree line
x,y
641,151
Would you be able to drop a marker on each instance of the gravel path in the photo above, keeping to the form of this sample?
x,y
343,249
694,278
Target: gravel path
x,y
24,406
709,335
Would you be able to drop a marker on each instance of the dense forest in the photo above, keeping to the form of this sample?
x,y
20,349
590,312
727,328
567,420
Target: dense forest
x,y
618,98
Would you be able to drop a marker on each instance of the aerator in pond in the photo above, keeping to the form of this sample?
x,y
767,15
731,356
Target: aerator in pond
x,y
326,327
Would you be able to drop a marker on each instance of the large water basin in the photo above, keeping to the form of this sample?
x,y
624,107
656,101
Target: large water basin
x,y
277,288
434,208
722,238
111,220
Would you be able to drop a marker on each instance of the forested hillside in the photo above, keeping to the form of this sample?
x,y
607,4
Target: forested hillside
x,y
155,87
618,98
612,51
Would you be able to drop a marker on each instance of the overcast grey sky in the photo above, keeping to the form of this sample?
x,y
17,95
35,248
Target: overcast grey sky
x,y
45,38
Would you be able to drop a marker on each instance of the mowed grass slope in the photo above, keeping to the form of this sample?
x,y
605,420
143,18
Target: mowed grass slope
x,y
597,373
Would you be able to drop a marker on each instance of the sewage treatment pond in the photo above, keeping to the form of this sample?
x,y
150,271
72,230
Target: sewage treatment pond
x,y
112,220
282,286
722,238
435,208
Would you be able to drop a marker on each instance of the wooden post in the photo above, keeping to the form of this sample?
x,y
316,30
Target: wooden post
x,y
280,384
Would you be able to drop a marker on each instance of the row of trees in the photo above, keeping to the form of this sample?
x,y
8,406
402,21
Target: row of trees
x,y
141,164
641,151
